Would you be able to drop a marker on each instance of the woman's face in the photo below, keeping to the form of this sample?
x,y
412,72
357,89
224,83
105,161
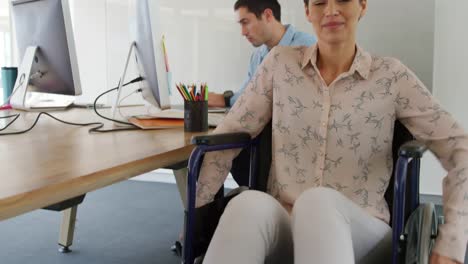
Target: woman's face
x,y
335,21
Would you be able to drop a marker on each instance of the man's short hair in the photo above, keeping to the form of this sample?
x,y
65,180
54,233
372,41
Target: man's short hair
x,y
257,7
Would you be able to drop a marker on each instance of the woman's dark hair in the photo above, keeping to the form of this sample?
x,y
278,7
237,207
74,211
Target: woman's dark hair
x,y
306,2
257,7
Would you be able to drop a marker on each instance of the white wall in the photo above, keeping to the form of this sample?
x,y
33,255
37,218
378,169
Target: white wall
x,y
204,42
403,29
5,39
450,71
202,38
194,53
4,16
207,30
89,24
399,28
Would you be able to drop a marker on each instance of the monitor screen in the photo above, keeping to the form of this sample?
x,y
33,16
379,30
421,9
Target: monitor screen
x,y
42,23
150,60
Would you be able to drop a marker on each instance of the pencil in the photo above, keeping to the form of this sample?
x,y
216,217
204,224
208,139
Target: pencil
x,y
184,90
187,92
202,90
181,93
191,93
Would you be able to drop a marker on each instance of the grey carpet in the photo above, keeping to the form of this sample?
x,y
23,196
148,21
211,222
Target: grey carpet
x,y
129,222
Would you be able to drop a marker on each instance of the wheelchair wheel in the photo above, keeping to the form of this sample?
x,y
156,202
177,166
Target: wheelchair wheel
x,y
199,260
420,233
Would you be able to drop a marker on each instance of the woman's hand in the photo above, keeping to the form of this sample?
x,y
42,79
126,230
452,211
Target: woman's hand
x,y
438,259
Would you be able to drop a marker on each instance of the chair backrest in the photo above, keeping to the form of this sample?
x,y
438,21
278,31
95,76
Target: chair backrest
x,y
401,135
263,159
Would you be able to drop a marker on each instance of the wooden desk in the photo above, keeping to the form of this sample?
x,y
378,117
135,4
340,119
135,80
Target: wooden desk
x,y
55,162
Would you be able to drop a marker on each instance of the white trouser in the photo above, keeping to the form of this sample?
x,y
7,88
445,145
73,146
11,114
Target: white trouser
x,y
324,227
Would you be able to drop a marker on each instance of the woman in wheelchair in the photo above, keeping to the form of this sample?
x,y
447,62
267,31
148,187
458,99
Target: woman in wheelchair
x,y
332,107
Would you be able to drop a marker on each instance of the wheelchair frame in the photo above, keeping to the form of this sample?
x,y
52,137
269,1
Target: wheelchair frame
x,y
409,156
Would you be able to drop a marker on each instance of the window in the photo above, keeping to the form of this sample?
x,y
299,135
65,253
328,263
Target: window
x,y
5,48
6,58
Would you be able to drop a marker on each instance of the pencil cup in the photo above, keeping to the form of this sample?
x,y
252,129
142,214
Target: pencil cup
x,y
196,116
9,75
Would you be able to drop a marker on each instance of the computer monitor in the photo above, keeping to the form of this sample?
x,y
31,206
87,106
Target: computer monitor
x,y
149,55
46,49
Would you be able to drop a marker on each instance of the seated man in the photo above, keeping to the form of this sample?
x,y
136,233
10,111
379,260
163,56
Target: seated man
x,y
261,25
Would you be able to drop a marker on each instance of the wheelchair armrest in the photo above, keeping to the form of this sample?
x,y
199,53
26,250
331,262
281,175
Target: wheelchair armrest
x,y
222,139
412,149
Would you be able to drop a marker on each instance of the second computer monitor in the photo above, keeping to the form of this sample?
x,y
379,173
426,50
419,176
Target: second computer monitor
x,y
46,24
150,58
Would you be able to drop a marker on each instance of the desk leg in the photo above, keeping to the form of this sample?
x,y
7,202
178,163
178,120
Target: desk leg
x,y
181,180
67,229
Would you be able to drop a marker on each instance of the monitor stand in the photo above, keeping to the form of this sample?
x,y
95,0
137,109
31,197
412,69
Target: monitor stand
x,y
157,112
116,104
25,98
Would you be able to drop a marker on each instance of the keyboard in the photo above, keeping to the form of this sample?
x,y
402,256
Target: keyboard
x,y
218,110
214,119
48,102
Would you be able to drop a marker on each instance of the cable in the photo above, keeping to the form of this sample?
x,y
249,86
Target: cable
x,y
94,129
99,125
139,79
16,116
97,128
127,96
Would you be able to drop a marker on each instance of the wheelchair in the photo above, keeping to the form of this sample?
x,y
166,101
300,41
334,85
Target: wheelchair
x,y
414,225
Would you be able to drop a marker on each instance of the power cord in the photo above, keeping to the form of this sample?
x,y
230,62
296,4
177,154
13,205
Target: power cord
x,y
139,79
16,116
139,90
98,125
